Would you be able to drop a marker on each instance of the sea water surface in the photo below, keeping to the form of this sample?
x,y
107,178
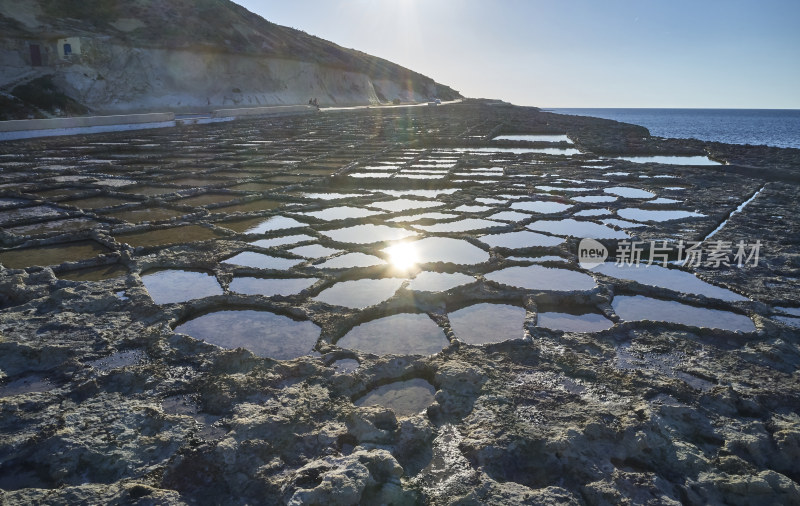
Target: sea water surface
x,y
771,127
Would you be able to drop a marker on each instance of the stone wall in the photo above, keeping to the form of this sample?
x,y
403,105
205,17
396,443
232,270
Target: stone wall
x,y
84,121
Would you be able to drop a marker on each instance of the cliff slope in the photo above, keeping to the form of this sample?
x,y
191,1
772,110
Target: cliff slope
x,y
181,55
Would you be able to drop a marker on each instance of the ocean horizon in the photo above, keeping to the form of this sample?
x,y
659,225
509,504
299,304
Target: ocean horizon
x,y
771,127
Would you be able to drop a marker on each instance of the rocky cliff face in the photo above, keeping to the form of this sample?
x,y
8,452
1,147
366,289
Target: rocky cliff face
x,y
186,55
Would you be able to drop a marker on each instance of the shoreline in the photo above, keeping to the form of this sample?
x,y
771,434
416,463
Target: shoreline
x,y
756,127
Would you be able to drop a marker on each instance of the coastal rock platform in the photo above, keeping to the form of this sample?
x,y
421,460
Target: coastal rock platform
x,y
221,314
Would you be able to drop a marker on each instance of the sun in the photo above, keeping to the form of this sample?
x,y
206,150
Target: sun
x,y
402,256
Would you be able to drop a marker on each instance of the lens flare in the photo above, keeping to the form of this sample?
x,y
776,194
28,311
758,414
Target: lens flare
x,y
402,256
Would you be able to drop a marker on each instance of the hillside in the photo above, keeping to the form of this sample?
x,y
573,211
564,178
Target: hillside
x,y
105,56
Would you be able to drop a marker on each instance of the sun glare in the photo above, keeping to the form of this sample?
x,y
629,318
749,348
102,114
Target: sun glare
x,y
403,256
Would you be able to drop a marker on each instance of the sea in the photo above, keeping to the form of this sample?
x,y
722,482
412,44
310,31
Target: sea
x,y
771,127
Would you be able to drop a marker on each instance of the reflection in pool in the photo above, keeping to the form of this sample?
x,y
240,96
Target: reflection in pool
x,y
168,286
270,286
521,239
629,193
351,260
360,293
536,277
340,213
421,176
587,322
427,194
364,175
595,199
367,234
282,240
622,223
402,256
464,225
427,281
404,205
402,334
521,151
435,249
639,307
262,261
100,273
471,209
577,228
657,215
265,334
788,320
274,223
671,160
405,398
562,189
592,212
488,323
673,279
541,206
510,216
313,251
541,259
425,216
789,310
534,138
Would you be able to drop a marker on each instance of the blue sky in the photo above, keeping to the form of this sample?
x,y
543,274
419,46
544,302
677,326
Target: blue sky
x,y
575,53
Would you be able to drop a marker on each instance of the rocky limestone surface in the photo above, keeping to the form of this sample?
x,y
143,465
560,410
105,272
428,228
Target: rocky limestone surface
x,y
182,56
102,400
